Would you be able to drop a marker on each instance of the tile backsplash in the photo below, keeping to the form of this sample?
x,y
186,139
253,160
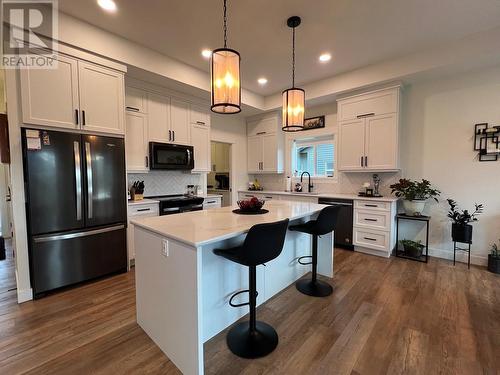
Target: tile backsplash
x,y
165,182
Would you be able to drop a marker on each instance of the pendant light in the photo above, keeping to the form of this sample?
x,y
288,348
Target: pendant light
x,y
225,77
293,98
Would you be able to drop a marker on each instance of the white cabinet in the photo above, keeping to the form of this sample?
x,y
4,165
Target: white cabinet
x,y
50,96
265,145
159,118
136,142
212,202
135,210
179,121
76,95
200,140
101,98
199,116
136,100
368,131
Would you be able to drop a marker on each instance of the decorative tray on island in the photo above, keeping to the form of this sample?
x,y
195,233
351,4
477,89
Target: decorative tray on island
x,y
251,206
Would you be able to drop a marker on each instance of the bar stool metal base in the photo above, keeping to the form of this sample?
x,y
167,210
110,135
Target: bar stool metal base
x,y
315,288
252,344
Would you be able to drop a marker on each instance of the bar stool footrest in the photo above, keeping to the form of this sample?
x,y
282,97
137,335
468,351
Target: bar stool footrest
x,y
304,263
237,294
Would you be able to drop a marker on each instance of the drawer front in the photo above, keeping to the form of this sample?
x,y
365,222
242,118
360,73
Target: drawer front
x,y
372,219
212,203
372,205
144,210
375,104
269,197
371,239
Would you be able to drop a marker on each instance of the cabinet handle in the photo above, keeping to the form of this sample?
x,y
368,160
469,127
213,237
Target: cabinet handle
x,y
132,109
362,162
371,205
200,122
370,239
76,116
143,209
173,135
268,197
366,115
83,118
366,161
147,162
208,202
260,133
170,135
371,220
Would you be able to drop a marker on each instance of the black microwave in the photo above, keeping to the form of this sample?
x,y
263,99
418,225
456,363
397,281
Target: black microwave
x,y
168,156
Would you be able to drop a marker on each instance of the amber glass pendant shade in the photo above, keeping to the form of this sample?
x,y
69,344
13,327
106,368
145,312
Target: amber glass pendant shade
x,y
225,81
293,109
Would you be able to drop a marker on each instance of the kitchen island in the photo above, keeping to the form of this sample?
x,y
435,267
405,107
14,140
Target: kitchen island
x,y
183,289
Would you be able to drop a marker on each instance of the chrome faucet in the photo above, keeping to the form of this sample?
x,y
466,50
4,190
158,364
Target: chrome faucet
x,y
309,185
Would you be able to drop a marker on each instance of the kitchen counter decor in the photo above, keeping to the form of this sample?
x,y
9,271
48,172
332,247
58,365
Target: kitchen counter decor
x,y
415,194
251,206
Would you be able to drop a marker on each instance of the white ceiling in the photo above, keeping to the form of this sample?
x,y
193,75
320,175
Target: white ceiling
x,y
356,32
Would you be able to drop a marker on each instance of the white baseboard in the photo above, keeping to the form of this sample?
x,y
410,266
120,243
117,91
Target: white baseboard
x,y
461,256
24,295
378,253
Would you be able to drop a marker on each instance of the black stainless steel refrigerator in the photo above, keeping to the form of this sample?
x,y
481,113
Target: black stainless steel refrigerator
x,y
75,206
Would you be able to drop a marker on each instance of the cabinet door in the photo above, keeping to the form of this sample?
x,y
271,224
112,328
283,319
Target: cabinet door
x,y
101,98
159,118
136,142
381,142
136,100
352,145
179,121
199,116
50,96
254,154
200,140
270,153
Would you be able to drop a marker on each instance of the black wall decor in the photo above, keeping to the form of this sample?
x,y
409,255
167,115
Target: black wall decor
x,y
486,141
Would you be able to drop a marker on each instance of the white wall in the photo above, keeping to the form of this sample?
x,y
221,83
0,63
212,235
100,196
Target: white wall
x,y
232,129
437,144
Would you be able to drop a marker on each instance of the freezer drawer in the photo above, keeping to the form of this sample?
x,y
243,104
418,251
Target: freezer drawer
x,y
63,259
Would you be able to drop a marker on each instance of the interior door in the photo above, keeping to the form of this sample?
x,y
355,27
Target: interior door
x,y
381,142
105,180
179,121
50,96
53,171
254,153
101,98
270,153
352,145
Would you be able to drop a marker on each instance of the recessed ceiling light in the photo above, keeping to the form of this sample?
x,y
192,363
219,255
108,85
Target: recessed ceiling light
x,y
206,53
108,5
262,81
325,57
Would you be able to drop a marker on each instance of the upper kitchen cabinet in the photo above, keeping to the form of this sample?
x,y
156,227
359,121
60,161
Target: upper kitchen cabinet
x,y
136,142
179,121
57,106
265,145
199,116
101,98
200,138
368,131
136,100
82,96
159,118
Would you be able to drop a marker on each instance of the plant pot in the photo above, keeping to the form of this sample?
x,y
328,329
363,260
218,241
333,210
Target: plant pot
x,y
414,207
493,264
461,233
413,251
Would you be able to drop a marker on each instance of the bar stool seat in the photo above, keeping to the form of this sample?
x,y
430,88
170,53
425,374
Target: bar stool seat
x,y
324,224
263,243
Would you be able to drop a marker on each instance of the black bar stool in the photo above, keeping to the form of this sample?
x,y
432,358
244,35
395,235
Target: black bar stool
x,y
264,242
325,223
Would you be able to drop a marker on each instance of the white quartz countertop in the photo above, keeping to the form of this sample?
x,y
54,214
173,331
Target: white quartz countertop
x,y
323,195
143,201
197,228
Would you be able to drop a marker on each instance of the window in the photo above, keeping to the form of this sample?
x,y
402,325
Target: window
x,y
314,155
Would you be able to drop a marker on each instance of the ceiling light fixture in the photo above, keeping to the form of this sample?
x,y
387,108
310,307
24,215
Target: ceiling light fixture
x,y
325,57
293,98
225,77
262,81
108,5
206,53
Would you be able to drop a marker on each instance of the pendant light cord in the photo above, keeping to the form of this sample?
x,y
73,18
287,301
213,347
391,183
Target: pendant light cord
x,y
293,57
225,24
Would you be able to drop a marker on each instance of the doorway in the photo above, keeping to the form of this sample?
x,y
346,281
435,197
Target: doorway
x,y
219,178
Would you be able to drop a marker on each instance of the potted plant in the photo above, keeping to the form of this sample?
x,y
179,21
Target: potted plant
x,y
414,194
412,248
461,230
494,259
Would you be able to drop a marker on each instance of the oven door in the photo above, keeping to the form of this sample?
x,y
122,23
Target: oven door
x,y
171,157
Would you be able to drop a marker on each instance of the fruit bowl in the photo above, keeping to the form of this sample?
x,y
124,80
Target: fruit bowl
x,y
251,205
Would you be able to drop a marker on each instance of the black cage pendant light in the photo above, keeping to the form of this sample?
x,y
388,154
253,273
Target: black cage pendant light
x,y
293,98
225,77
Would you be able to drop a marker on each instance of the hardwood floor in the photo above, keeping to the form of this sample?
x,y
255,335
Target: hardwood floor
x,y
386,316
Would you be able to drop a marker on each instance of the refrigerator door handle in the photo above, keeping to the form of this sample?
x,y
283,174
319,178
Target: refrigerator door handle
x,y
68,236
90,188
78,180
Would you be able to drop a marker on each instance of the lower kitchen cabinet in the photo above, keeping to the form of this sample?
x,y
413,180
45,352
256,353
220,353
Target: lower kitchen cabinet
x,y
146,208
212,202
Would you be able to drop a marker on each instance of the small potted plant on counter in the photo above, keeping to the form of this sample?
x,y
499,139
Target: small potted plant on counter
x,y
415,194
413,249
461,229
494,259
